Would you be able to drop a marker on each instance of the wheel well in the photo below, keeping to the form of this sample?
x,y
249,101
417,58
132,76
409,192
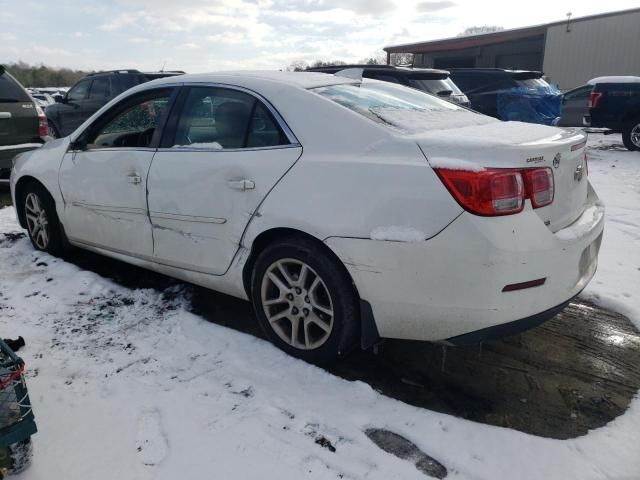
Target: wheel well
x,y
631,115
267,237
19,195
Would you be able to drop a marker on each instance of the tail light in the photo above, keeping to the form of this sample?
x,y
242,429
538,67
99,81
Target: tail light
x,y
488,192
499,191
43,124
539,186
594,99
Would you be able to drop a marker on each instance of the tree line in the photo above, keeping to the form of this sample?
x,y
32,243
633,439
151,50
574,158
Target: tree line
x,y
43,75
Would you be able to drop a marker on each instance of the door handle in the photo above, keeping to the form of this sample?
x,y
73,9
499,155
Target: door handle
x,y
135,179
242,185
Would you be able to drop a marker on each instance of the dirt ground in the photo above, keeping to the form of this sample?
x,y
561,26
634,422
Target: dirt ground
x,y
574,373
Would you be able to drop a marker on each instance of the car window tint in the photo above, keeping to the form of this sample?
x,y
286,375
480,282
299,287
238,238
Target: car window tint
x,y
11,91
79,91
134,126
219,118
579,93
264,131
100,89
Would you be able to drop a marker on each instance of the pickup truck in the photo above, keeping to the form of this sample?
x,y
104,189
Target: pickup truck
x,y
614,104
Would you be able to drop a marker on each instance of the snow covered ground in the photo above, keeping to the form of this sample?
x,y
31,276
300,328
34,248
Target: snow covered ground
x,y
126,384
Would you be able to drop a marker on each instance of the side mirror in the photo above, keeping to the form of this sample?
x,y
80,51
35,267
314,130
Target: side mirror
x,y
79,144
59,99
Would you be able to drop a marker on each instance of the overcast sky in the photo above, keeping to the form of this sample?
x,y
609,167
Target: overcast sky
x,y
207,35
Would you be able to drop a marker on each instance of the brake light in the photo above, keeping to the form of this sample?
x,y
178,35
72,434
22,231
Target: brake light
x,y
499,191
594,99
43,124
489,192
539,186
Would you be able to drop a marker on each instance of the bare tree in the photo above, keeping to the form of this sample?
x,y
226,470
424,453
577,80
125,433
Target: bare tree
x,y
480,29
401,59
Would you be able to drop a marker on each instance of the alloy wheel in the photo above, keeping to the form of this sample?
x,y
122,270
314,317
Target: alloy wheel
x,y
37,221
297,304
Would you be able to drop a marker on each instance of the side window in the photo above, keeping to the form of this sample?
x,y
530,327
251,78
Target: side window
x,y
221,119
579,93
133,125
79,91
100,89
264,131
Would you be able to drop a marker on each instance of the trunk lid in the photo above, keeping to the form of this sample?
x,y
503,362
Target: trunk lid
x,y
518,145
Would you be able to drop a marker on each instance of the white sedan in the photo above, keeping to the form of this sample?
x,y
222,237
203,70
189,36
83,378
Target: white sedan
x,y
346,210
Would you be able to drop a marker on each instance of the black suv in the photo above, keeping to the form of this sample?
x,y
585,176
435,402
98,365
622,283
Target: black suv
x,y
615,104
488,87
435,82
23,125
89,94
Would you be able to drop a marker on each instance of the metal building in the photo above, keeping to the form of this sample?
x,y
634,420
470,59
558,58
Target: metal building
x,y
570,52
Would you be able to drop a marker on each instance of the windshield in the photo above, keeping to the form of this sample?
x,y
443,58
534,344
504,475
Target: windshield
x,y
403,108
11,91
436,86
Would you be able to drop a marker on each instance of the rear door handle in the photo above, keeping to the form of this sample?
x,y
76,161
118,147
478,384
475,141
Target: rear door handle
x,y
135,179
5,115
242,185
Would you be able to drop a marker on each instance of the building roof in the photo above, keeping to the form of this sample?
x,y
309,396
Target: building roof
x,y
482,39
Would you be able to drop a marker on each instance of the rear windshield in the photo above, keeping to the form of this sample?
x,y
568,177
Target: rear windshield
x,y
403,108
531,83
11,91
443,88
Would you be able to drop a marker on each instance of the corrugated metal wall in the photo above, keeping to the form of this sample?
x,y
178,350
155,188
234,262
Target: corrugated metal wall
x,y
602,46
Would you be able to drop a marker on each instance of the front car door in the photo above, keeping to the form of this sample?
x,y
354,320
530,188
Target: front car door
x,y
221,153
104,179
575,105
69,113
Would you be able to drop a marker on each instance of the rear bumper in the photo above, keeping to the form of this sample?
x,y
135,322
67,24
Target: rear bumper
x,y
453,284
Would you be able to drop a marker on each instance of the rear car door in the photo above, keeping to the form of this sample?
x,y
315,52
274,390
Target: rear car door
x,y
103,178
221,154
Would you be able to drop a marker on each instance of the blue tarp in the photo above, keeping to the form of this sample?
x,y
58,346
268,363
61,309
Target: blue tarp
x,y
534,105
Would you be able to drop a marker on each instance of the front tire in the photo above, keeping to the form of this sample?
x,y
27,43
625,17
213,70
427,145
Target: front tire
x,y
20,455
305,301
631,134
42,221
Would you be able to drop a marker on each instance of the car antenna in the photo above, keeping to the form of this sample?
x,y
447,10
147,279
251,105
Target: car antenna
x,y
163,65
352,73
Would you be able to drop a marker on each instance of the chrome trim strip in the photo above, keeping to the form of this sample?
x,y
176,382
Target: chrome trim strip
x,y
186,218
102,208
224,150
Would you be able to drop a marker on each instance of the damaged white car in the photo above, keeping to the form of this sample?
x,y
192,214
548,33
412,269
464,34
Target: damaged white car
x,y
346,210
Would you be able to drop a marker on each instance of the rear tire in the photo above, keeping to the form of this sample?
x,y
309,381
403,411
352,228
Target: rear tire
x,y
20,455
43,226
305,301
631,134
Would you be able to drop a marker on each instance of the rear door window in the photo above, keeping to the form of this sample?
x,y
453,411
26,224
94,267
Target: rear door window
x,y
11,91
221,119
100,89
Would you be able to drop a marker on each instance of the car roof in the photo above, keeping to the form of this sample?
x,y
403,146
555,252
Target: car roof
x,y
253,78
382,68
614,79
